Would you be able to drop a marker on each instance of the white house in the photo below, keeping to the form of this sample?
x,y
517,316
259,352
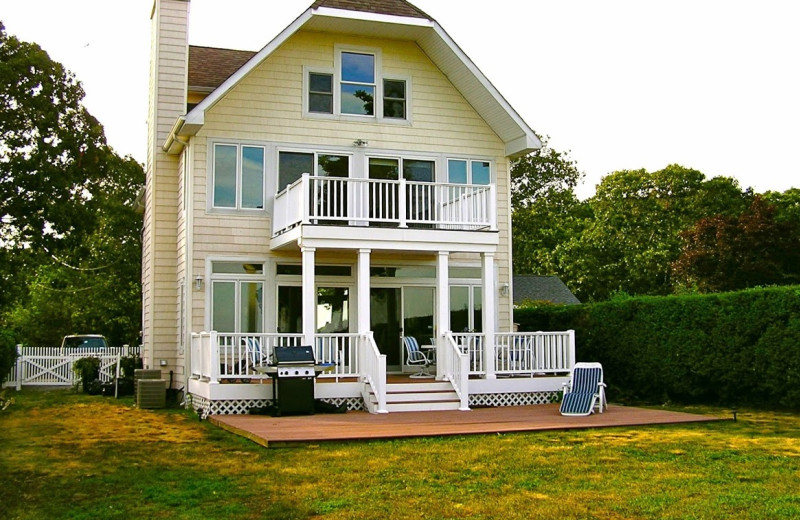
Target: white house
x,y
343,187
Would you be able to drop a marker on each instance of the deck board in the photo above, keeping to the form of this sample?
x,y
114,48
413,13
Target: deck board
x,y
271,431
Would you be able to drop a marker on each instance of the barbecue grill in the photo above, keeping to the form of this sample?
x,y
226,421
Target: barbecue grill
x,y
293,370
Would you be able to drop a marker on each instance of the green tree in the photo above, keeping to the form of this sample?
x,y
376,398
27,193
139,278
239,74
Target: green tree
x,y
542,173
632,236
69,237
545,210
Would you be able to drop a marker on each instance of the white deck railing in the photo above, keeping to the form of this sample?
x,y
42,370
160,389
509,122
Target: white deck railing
x,y
456,369
535,352
520,353
228,356
471,344
373,365
359,202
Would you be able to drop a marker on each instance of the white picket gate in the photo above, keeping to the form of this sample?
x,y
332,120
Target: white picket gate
x,y
50,366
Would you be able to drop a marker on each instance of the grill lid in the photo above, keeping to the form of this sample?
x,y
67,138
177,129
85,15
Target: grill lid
x,y
302,355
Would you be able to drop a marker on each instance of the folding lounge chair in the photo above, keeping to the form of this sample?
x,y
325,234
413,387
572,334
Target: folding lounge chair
x,y
585,390
416,357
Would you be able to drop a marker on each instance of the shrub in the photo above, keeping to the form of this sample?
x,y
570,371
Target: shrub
x,y
88,371
738,348
8,355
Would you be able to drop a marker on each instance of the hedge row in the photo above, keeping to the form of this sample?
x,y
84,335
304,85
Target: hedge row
x,y
730,349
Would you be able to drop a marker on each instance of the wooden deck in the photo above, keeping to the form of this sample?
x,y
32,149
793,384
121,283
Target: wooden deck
x,y
272,431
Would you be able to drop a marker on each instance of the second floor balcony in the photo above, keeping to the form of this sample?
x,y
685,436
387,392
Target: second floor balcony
x,y
380,203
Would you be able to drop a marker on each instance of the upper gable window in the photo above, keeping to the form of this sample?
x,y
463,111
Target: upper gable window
x,y
394,98
357,94
238,176
320,93
356,89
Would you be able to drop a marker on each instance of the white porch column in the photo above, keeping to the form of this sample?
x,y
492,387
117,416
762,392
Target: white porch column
x,y
489,302
309,296
362,287
442,308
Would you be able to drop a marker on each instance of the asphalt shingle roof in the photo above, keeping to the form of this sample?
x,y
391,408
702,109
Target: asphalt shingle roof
x,y
542,288
390,7
210,66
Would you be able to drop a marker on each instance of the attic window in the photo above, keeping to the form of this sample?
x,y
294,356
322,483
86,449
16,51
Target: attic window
x,y
320,93
394,98
358,84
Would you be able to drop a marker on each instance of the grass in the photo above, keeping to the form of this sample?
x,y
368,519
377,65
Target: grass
x,y
64,455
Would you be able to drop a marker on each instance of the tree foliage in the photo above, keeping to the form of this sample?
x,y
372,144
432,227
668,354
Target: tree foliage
x,y
69,236
545,210
723,253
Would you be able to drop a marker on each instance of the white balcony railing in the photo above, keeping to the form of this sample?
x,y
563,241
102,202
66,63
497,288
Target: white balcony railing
x,y
360,202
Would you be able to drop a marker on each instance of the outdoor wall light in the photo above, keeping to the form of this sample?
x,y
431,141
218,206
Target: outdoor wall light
x,y
198,282
360,142
504,289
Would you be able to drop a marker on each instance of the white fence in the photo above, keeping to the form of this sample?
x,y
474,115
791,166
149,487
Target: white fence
x,y
50,366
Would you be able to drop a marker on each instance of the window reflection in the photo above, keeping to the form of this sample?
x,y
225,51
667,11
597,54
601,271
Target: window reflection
x,y
292,165
252,177
225,176
358,84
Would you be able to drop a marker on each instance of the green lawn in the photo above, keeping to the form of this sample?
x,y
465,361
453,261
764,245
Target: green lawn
x,y
64,455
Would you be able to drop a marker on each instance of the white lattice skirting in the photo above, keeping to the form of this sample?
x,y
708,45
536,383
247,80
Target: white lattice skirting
x,y
205,407
515,399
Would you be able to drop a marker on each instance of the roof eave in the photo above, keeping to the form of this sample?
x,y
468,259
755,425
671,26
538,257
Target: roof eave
x,y
197,115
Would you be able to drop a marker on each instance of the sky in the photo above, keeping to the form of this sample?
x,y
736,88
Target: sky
x,y
621,84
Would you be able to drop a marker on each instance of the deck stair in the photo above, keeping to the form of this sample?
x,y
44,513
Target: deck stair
x,y
422,396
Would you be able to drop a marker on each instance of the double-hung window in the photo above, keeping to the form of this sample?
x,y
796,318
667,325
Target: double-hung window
x,y
357,87
238,176
320,93
394,99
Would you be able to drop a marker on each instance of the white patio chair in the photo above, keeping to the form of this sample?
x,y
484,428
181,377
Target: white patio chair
x,y
415,357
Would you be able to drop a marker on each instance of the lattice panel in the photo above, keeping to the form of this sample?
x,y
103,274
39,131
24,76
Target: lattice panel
x,y
513,399
205,407
353,403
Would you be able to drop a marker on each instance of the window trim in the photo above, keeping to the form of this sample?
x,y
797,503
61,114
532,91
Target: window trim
x,y
212,177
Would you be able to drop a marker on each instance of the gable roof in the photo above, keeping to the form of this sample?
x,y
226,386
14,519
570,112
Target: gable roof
x,y
209,67
395,19
390,7
542,288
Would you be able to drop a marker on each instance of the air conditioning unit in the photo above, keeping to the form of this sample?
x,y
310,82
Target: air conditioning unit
x,y
143,373
151,393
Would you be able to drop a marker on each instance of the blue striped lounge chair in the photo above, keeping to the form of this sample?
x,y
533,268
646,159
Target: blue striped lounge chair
x,y
584,391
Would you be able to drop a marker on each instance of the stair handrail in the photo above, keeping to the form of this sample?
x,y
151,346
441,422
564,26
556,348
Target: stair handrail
x,y
373,373
456,369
